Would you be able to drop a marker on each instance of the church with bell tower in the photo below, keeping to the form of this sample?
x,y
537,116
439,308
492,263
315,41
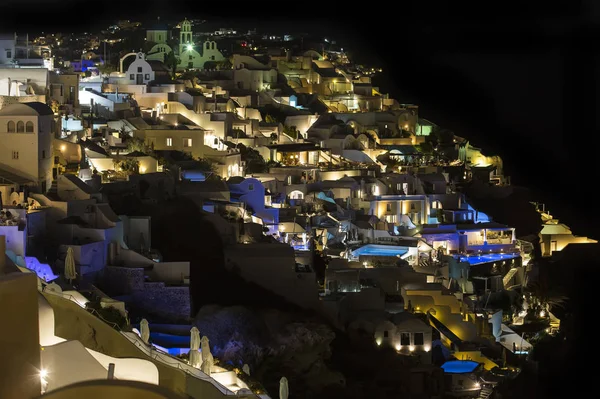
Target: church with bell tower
x,y
191,55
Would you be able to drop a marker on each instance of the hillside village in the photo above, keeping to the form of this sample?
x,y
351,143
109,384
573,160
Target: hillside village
x,y
150,209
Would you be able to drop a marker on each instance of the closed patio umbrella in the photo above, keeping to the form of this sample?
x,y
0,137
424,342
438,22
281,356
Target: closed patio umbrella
x,y
70,272
207,357
145,330
194,357
284,391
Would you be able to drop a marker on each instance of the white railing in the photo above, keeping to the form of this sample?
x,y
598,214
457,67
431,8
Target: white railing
x,y
171,361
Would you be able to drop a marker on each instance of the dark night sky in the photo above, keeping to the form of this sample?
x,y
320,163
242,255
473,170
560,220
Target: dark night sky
x,y
520,80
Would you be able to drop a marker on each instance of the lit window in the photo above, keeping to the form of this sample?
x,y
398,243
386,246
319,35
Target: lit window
x,y
187,142
169,142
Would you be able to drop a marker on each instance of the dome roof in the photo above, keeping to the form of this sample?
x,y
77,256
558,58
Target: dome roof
x,y
25,109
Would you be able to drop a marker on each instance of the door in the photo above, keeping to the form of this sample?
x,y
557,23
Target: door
x,y
139,79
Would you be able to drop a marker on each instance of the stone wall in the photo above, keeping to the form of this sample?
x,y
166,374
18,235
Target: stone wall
x,y
7,100
122,280
170,304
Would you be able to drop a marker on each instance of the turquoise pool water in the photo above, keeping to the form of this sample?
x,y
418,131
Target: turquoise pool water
x,y
380,250
459,366
474,260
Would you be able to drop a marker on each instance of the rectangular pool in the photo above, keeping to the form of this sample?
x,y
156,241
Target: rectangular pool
x,y
380,250
477,259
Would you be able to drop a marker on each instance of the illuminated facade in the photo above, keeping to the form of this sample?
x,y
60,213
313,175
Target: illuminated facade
x,y
191,55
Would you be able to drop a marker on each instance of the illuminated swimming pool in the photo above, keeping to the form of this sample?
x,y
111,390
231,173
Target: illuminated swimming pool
x,y
380,250
459,366
475,260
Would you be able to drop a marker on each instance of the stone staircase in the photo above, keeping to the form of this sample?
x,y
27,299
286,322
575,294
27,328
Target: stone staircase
x,y
485,392
506,280
53,190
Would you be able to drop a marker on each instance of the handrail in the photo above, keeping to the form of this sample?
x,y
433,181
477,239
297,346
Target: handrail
x,y
177,363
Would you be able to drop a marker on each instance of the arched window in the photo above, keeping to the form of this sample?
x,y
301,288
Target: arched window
x,y
20,127
29,127
11,127
213,45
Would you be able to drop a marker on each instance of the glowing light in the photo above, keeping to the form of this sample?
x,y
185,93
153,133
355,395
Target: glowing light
x,y
378,341
43,373
143,169
477,385
190,47
398,347
63,147
411,348
542,314
427,348
365,264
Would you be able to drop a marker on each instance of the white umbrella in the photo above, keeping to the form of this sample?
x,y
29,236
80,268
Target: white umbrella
x,y
145,330
246,369
194,357
207,363
207,357
283,388
205,347
70,272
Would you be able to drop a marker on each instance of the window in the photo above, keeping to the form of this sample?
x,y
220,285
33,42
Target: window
x,y
251,187
216,142
139,69
159,37
388,207
386,334
10,127
187,142
418,338
43,154
29,127
213,47
8,54
405,339
212,57
20,127
191,57
190,64
147,76
169,142
131,76
15,154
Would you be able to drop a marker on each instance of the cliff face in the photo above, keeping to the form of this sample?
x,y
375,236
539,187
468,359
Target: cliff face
x,y
510,205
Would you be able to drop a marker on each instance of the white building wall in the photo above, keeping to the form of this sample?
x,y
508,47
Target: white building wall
x,y
137,67
16,240
16,152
